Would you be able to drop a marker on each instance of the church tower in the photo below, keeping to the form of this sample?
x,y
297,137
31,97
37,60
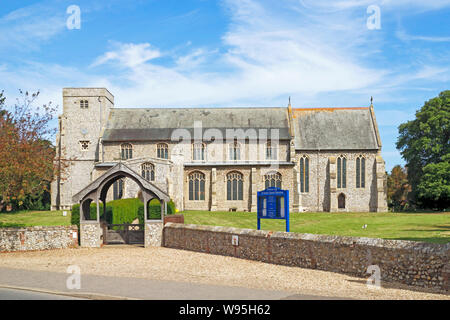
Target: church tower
x,y
85,112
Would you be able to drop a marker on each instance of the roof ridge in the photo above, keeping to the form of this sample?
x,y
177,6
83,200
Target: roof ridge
x,y
192,108
330,108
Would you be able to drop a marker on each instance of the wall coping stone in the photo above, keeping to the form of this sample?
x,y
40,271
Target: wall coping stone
x,y
429,248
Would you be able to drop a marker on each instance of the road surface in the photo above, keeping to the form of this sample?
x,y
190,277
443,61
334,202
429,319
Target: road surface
x,y
103,287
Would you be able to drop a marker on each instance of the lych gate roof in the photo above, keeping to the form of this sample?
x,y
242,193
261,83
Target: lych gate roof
x,y
120,168
335,128
159,123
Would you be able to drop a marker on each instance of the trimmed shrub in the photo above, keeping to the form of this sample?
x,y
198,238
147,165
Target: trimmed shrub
x,y
75,218
123,211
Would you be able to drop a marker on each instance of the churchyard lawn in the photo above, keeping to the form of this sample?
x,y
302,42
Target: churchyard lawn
x,y
34,218
428,227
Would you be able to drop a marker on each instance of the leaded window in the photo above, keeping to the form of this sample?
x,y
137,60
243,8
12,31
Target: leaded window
x,y
196,186
126,151
118,187
304,174
84,104
235,186
360,172
162,151
272,179
198,152
148,171
271,151
341,172
235,151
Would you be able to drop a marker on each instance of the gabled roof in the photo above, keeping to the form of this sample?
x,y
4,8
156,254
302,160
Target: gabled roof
x,y
128,124
335,128
126,171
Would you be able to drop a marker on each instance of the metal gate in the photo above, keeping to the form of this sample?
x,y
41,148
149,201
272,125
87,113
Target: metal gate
x,y
123,234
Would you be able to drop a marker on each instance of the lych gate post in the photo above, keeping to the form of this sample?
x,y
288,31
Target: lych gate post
x,y
90,230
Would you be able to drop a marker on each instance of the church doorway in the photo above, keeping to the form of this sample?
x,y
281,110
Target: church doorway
x,y
341,201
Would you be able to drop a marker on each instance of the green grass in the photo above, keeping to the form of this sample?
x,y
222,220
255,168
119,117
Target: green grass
x,y
34,218
428,227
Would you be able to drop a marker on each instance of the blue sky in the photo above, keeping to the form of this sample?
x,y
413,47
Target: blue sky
x,y
234,53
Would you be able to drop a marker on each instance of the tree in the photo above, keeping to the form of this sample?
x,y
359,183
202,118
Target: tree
x,y
424,141
397,188
26,154
434,187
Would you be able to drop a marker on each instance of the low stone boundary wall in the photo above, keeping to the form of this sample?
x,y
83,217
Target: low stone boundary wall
x,y
38,238
409,262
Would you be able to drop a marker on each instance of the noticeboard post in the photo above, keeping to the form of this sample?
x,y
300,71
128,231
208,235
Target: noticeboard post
x,y
273,203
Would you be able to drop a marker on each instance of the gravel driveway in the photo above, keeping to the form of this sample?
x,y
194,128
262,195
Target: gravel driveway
x,y
180,265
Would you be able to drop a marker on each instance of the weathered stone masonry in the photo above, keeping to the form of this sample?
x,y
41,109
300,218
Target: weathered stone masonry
x,y
38,238
319,134
413,263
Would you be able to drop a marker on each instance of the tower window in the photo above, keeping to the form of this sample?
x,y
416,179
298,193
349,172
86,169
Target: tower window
x,y
84,104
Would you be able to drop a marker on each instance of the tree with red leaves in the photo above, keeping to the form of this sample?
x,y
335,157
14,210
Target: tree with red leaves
x,y
26,153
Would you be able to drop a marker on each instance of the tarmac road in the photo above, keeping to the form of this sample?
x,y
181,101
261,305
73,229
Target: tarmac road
x,y
102,287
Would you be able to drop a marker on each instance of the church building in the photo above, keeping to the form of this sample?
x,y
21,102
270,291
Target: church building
x,y
218,158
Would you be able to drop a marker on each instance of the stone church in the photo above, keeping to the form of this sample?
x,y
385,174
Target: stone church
x,y
218,158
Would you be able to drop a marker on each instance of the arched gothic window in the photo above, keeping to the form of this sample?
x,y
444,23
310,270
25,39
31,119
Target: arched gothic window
x,y
360,172
235,186
271,151
162,151
304,174
235,151
126,151
198,151
272,179
148,171
196,186
341,172
118,188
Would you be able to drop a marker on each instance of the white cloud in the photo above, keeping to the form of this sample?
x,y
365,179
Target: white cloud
x,y
129,55
27,27
402,35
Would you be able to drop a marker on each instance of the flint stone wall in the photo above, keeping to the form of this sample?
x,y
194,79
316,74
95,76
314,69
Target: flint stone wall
x,y
153,234
408,262
91,235
38,238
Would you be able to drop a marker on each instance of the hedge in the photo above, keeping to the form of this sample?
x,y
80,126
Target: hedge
x,y
123,211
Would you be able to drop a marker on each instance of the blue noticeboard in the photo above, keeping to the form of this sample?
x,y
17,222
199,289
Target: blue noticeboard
x,y
273,203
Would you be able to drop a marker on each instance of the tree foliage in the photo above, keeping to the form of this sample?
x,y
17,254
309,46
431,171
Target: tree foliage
x,y
424,141
434,186
397,188
26,154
